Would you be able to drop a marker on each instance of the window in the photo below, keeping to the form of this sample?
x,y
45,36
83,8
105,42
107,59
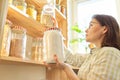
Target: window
x,y
85,10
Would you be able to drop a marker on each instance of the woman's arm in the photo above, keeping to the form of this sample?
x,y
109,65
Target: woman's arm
x,y
74,59
67,69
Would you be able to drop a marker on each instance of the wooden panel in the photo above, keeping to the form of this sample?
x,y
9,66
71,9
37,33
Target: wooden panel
x,y
22,72
56,74
59,15
14,60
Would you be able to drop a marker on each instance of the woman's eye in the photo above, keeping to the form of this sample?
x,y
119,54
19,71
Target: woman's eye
x,y
90,25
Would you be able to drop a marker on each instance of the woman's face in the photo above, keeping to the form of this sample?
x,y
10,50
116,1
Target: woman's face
x,y
95,33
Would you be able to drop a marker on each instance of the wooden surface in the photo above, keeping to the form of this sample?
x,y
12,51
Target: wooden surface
x,y
56,74
14,60
15,71
33,27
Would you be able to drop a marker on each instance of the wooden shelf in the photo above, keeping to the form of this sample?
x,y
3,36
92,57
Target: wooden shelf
x,y
34,28
60,16
14,60
37,3
17,17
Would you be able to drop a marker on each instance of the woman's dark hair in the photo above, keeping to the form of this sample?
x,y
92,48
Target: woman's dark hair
x,y
112,37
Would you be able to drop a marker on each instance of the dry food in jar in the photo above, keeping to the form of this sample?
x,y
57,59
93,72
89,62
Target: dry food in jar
x,y
38,15
47,16
10,2
6,38
37,49
18,42
53,45
20,4
31,11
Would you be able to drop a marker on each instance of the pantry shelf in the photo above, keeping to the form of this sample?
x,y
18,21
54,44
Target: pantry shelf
x,y
37,3
17,17
14,60
59,15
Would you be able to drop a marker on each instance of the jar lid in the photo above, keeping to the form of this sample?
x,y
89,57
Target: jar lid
x,y
52,28
48,8
18,29
8,22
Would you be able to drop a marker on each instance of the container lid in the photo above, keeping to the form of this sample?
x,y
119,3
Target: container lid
x,y
48,8
52,28
18,29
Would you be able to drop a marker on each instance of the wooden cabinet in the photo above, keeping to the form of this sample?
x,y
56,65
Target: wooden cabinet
x,y
12,68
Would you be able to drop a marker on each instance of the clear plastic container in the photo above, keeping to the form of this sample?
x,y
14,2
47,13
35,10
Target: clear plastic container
x,y
38,14
18,42
20,4
31,11
37,49
53,45
10,2
6,38
47,15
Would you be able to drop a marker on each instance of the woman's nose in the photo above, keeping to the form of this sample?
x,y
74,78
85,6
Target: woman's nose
x,y
86,30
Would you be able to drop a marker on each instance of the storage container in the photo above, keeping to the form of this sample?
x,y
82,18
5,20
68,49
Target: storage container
x,y
20,4
48,15
18,42
37,49
6,38
53,45
31,11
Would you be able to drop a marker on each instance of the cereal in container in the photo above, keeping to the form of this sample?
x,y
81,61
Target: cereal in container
x,y
18,42
38,18
37,49
31,11
6,38
48,15
20,4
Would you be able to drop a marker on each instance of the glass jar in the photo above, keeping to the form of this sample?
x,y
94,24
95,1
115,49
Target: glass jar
x,y
47,15
31,11
53,45
18,42
6,38
20,4
63,10
37,49
38,15
10,2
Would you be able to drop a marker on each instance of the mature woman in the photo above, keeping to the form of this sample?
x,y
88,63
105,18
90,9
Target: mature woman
x,y
104,61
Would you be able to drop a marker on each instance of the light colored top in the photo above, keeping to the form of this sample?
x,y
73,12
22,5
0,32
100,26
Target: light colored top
x,y
101,64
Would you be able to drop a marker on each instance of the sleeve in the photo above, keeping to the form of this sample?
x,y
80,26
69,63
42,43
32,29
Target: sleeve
x,y
74,59
105,67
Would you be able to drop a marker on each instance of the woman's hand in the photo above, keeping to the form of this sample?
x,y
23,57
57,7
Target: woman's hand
x,y
65,67
57,64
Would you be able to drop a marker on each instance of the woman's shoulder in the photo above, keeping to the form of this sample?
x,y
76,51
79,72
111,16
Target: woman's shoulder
x,y
110,49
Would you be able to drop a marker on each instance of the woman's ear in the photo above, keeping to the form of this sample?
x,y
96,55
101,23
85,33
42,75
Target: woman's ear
x,y
105,29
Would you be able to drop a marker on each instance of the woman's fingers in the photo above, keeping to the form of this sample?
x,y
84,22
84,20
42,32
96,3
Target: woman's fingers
x,y
56,58
47,65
